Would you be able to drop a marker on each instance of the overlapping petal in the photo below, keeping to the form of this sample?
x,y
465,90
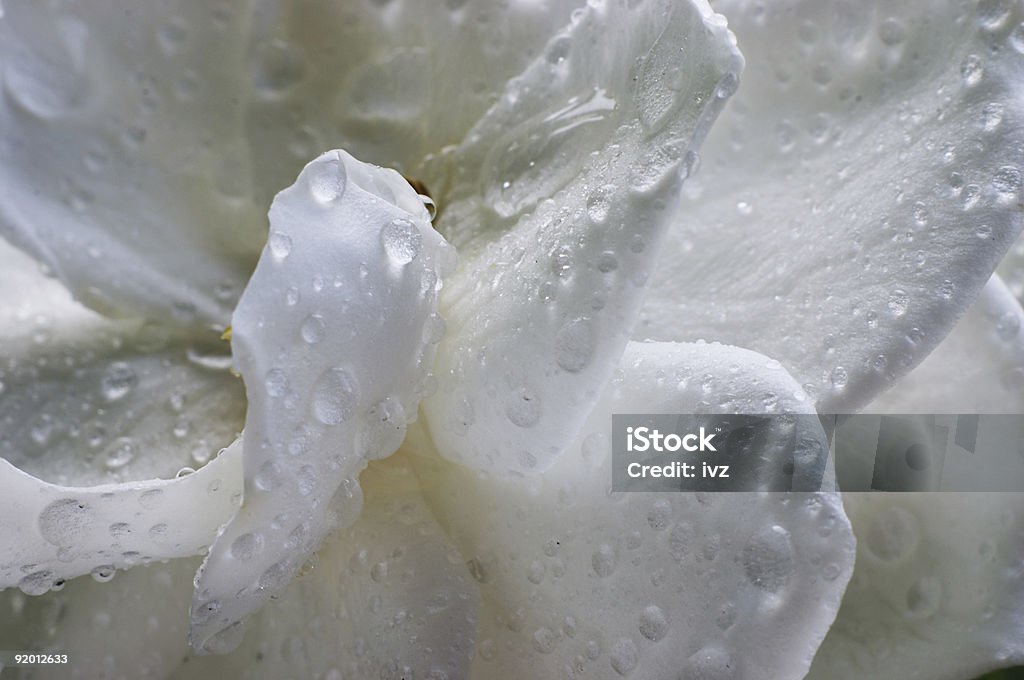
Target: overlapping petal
x,y
51,533
387,597
580,582
559,198
334,336
938,591
130,628
858,191
122,161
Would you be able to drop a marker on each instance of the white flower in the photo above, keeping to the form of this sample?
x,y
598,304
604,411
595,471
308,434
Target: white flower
x,y
853,200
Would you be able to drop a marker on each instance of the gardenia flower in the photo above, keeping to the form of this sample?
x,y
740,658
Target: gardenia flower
x,y
421,488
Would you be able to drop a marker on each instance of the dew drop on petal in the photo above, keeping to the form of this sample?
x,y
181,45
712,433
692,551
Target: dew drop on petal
x,y
335,396
401,240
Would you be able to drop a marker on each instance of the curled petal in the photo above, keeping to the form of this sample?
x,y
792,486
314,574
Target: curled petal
x,y
51,533
388,597
334,337
560,196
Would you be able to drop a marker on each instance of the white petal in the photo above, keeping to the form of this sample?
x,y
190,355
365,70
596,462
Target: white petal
x,y
856,194
140,150
578,582
121,154
130,628
334,337
391,82
386,598
938,589
560,196
52,533
978,368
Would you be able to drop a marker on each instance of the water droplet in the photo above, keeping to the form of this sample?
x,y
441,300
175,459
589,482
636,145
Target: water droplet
x,y
1017,38
924,597
598,205
122,454
151,499
119,380
226,640
653,623
1007,181
401,240
768,559
36,583
624,656
313,329
893,536
892,31
898,302
544,640
434,329
604,560
385,429
268,477
561,261
607,262
711,663
574,345
103,574
992,116
327,180
992,14
247,546
276,383
1008,326
276,68
335,396
64,520
523,407
971,69
839,377
280,244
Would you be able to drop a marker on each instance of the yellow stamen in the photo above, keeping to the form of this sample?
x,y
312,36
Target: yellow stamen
x,y
226,335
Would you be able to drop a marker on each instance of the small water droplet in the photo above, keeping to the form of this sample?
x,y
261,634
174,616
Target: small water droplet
x,y
523,407
653,623
898,302
335,396
768,559
312,330
118,381
624,656
574,345
401,240
604,560
280,244
971,70
247,546
1008,326
839,377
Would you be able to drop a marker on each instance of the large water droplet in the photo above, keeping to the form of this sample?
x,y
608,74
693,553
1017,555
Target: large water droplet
x,y
247,546
768,559
280,244
313,329
574,345
603,560
118,381
335,396
624,656
653,623
327,180
401,240
64,520
523,407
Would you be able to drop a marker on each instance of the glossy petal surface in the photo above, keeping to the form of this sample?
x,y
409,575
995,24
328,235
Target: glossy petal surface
x,y
560,196
856,194
580,582
334,337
